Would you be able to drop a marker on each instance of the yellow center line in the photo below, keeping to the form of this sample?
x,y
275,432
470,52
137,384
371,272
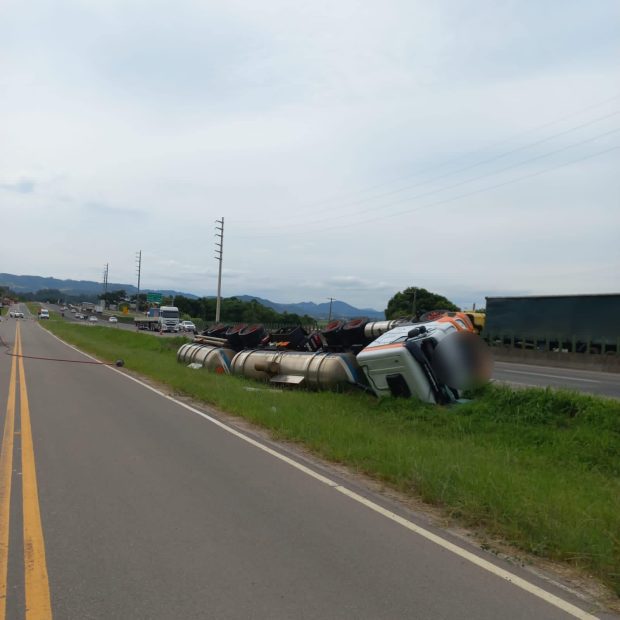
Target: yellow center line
x,y
6,475
38,604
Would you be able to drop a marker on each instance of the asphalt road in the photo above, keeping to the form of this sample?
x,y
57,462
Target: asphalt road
x,y
593,382
150,510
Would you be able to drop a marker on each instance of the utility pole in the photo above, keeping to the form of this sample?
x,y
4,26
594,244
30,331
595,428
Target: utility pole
x,y
219,250
331,300
139,271
105,283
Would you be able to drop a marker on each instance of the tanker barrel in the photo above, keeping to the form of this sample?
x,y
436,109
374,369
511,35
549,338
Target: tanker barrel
x,y
318,370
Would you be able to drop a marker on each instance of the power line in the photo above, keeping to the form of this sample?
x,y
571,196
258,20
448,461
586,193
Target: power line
x,y
454,198
485,189
449,174
456,159
461,183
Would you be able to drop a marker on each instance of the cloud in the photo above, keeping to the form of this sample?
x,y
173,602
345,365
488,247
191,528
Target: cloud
x,y
355,283
104,210
23,186
326,133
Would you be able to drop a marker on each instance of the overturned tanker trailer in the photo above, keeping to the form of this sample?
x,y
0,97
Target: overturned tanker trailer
x,y
435,361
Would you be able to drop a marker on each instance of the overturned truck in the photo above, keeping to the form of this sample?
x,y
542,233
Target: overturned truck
x,y
434,359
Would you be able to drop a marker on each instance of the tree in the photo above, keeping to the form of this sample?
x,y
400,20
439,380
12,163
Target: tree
x,y
402,304
113,297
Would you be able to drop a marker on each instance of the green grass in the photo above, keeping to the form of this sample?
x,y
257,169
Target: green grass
x,y
539,469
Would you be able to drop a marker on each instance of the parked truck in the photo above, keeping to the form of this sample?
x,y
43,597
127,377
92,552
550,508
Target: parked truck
x,y
570,323
164,319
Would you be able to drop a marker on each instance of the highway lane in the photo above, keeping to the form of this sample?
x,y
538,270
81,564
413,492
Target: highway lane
x,y
69,316
593,382
149,510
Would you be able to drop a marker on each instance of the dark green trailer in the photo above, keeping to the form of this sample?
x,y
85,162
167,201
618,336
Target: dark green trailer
x,y
579,323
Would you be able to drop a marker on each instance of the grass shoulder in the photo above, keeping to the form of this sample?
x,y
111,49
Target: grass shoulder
x,y
538,468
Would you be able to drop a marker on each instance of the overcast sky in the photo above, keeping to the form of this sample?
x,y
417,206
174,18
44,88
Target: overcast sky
x,y
354,148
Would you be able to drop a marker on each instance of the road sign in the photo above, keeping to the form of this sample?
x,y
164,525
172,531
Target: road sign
x,y
153,298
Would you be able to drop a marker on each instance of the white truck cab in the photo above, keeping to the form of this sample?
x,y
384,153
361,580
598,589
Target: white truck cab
x,y
168,318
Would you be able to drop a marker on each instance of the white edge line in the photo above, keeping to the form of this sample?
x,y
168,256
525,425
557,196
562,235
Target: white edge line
x,y
506,575
542,374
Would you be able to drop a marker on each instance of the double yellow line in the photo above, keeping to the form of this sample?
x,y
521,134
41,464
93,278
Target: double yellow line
x,y
38,604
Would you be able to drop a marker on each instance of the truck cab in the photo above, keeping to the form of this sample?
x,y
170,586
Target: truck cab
x,y
168,318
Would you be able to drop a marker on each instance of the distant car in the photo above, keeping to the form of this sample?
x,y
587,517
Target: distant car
x,y
44,314
79,316
93,319
186,326
73,310
112,319
11,314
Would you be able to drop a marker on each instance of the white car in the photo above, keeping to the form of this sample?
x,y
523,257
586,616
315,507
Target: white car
x,y
112,319
44,314
186,326
79,316
18,315
92,319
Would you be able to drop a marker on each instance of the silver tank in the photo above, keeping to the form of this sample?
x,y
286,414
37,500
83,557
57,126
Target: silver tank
x,y
377,328
321,371
182,351
215,359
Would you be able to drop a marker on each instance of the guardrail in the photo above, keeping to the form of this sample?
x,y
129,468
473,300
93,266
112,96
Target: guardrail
x,y
554,344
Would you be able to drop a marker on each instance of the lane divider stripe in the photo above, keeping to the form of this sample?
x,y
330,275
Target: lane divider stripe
x,y
6,476
38,603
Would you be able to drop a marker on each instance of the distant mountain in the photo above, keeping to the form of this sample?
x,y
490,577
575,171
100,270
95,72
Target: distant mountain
x,y
77,288
74,288
340,309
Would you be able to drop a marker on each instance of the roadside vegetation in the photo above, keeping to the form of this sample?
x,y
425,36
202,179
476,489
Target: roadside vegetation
x,y
538,469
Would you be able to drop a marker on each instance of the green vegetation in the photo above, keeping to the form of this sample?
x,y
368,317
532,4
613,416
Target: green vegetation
x,y
236,311
33,307
538,468
415,301
53,295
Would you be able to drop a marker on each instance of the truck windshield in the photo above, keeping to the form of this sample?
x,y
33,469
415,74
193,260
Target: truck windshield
x,y
170,314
